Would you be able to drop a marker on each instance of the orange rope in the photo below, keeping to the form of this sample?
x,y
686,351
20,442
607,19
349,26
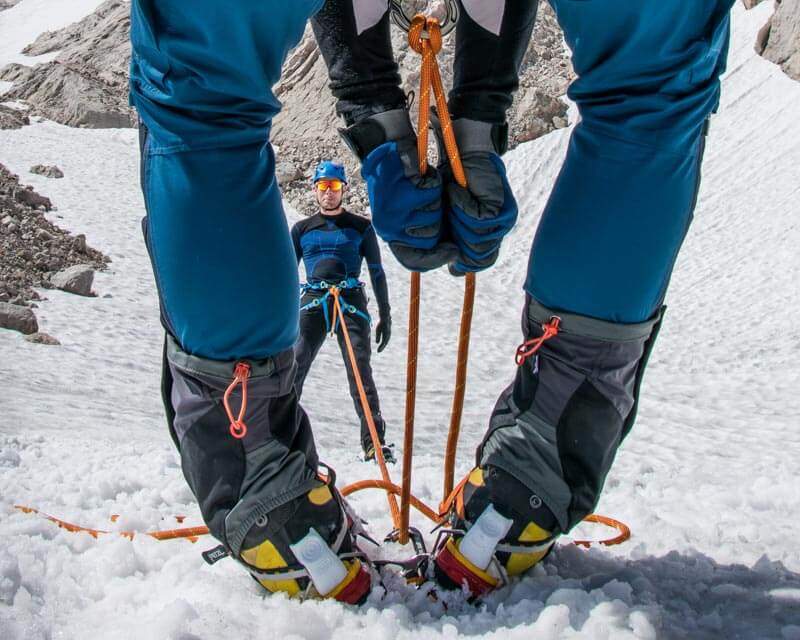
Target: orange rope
x,y
440,517
395,490
193,533
373,431
461,384
187,533
425,37
624,531
411,403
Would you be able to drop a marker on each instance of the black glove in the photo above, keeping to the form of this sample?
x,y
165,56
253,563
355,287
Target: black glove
x,y
482,214
406,206
383,332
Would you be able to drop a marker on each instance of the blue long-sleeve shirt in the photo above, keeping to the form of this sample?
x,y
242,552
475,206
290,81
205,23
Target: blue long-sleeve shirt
x,y
333,248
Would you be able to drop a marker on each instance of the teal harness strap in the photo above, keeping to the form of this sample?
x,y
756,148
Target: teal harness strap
x,y
349,283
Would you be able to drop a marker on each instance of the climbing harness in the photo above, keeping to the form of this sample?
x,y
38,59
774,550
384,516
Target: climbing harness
x,y
322,301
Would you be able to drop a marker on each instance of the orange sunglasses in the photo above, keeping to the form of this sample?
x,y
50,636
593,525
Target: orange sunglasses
x,y
324,185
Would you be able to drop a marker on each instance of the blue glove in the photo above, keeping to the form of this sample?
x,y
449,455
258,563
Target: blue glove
x,y
406,206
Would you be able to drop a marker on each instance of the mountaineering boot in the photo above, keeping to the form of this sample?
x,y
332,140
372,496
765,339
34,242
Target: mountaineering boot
x,y
551,441
308,546
386,449
248,454
503,530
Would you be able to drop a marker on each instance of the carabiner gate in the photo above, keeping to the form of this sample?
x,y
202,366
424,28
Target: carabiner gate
x,y
402,19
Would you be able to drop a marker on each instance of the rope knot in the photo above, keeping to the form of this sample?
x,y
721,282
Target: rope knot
x,y
423,28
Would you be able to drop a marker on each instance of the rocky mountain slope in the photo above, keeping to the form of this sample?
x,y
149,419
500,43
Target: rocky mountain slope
x,y
33,249
85,85
779,40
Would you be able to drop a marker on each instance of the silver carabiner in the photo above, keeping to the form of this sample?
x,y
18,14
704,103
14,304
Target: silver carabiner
x,y
402,20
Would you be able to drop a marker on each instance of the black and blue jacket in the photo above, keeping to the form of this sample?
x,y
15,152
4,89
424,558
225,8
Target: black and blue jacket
x,y
333,247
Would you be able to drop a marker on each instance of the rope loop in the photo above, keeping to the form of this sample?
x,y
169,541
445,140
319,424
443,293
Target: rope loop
x,y
422,30
241,373
530,347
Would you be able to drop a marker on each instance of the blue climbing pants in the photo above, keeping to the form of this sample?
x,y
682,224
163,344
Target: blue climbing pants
x,y
648,79
201,78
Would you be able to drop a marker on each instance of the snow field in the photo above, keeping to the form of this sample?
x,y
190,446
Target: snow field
x,y
23,23
707,481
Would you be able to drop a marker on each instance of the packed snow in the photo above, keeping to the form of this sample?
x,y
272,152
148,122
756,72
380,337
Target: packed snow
x,y
708,480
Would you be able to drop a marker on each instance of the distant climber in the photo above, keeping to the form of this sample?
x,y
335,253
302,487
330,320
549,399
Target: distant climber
x,y
332,244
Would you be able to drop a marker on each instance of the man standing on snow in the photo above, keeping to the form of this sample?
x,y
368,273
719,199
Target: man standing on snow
x,y
647,81
332,244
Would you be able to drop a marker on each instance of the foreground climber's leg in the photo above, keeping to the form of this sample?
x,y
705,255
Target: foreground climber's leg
x,y
551,441
648,79
219,243
260,493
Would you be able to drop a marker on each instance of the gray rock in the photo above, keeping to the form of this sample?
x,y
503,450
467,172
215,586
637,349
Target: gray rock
x,y
86,84
42,338
749,4
560,123
43,234
30,198
781,38
77,279
287,172
12,118
79,243
48,171
17,318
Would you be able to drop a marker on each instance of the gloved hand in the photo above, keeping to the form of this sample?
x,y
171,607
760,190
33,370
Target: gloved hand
x,y
406,206
481,215
383,332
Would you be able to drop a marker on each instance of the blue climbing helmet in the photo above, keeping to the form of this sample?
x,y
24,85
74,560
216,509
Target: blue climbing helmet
x,y
327,170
